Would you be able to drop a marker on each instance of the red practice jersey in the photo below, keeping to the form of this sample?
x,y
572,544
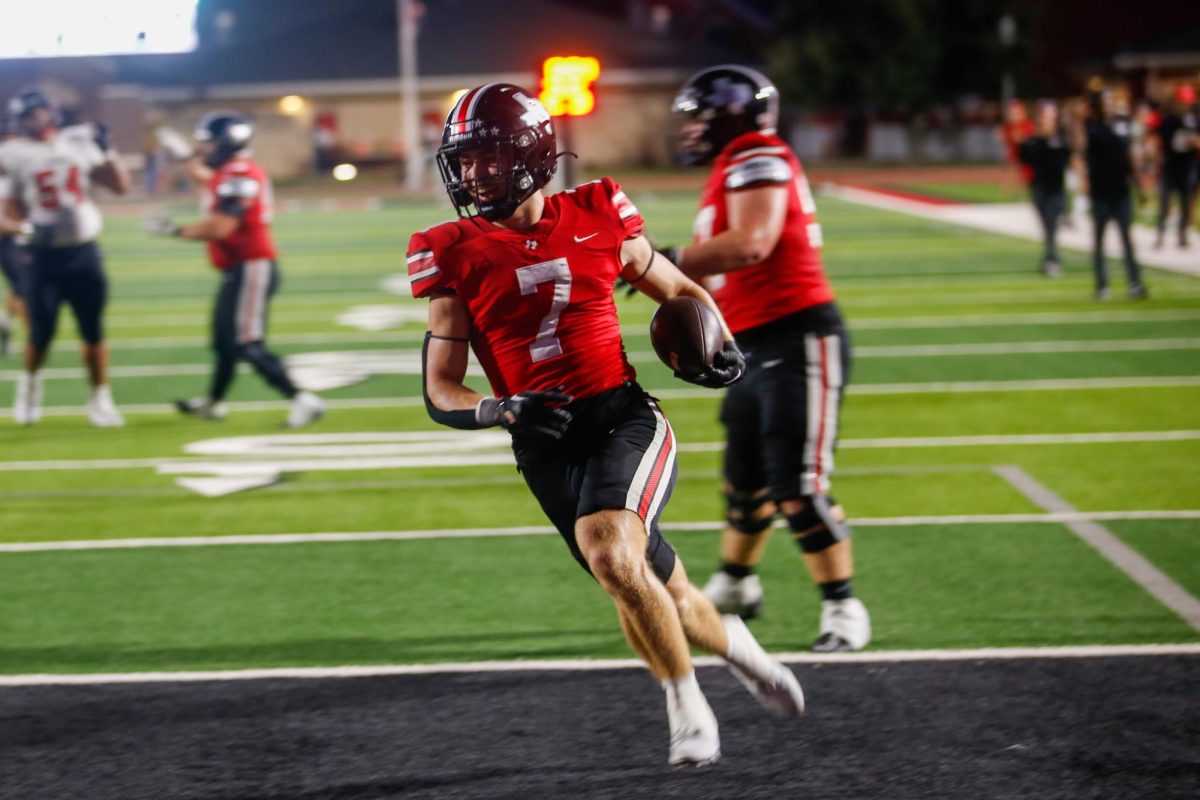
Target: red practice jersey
x,y
1013,133
792,277
241,187
540,299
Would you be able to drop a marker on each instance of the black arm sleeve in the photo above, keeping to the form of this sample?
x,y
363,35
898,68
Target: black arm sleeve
x,y
233,206
463,419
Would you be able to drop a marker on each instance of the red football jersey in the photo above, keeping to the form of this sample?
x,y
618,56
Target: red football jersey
x,y
243,180
792,277
540,299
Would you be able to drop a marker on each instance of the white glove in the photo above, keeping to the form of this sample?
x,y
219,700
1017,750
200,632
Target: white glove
x,y
161,225
174,142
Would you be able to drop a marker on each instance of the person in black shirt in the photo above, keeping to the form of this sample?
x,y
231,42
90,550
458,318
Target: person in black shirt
x,y
1178,137
1047,154
1110,174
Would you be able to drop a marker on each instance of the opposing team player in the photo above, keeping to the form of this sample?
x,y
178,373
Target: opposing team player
x,y
525,281
237,230
52,170
12,260
757,249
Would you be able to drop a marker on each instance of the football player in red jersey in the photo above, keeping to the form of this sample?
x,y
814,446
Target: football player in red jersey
x,y
757,249
525,281
237,230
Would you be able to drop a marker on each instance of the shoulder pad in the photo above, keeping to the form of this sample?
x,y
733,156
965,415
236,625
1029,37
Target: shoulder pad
x,y
429,259
757,169
239,186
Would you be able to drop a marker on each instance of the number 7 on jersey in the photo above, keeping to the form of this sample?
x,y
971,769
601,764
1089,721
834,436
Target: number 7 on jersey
x,y
545,344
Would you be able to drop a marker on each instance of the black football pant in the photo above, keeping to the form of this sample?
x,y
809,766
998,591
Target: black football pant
x,y
1175,184
239,327
1119,210
1050,208
74,275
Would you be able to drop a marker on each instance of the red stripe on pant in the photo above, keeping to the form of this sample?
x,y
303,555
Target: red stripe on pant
x,y
248,309
656,474
819,466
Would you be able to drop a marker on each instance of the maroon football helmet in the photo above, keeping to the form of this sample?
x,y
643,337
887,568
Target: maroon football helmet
x,y
506,127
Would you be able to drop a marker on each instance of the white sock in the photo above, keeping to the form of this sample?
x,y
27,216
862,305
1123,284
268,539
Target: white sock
x,y
743,649
102,394
685,699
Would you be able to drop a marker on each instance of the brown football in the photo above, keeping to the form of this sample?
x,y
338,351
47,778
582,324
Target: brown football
x,y
686,334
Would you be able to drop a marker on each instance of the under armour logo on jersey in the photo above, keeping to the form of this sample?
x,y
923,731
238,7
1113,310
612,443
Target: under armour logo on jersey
x,y
531,244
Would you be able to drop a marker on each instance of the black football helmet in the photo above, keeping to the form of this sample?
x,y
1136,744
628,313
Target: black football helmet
x,y
728,100
228,131
21,108
505,123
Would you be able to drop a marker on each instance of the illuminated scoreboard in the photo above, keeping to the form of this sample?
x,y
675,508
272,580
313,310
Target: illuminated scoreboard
x,y
567,85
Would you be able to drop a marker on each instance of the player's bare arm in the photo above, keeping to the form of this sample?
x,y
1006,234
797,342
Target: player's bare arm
x,y
112,175
655,276
451,402
756,221
217,225
446,354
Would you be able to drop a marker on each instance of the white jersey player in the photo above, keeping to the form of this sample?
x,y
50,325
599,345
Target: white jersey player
x,y
52,171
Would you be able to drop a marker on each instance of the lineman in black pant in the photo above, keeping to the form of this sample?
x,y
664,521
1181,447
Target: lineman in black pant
x,y
237,232
1110,175
1047,154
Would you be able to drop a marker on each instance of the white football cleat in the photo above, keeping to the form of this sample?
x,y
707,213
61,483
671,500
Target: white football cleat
x,y
770,681
694,738
203,408
306,409
101,410
741,596
845,626
27,400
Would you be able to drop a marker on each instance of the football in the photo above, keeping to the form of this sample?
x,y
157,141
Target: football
x,y
686,334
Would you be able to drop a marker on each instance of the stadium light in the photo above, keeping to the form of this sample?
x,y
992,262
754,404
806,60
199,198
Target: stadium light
x,y
567,85
292,105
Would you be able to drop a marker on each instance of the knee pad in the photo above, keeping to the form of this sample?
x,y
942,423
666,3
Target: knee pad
x,y
740,508
814,526
252,351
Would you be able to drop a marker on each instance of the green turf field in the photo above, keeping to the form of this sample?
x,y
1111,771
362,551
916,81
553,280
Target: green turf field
x,y
965,361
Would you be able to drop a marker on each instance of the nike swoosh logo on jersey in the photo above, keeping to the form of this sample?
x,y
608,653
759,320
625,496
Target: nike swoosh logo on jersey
x,y
579,239
775,362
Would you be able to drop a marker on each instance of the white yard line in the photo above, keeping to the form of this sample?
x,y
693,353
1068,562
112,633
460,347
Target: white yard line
x,y
1021,320
880,351
1122,556
580,665
857,323
935,387
546,530
393,461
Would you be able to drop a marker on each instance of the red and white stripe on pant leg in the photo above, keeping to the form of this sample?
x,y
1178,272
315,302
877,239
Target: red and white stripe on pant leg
x,y
252,300
824,373
652,479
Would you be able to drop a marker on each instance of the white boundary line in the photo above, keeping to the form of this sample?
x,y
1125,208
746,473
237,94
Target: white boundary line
x,y
545,530
581,665
1122,556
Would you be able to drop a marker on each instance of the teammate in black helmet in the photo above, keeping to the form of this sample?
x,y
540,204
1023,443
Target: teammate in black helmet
x,y
757,248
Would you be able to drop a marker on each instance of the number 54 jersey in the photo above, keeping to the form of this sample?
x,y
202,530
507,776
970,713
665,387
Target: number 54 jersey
x,y
540,299
52,179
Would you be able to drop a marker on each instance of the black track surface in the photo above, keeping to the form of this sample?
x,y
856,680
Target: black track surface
x,y
1069,728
